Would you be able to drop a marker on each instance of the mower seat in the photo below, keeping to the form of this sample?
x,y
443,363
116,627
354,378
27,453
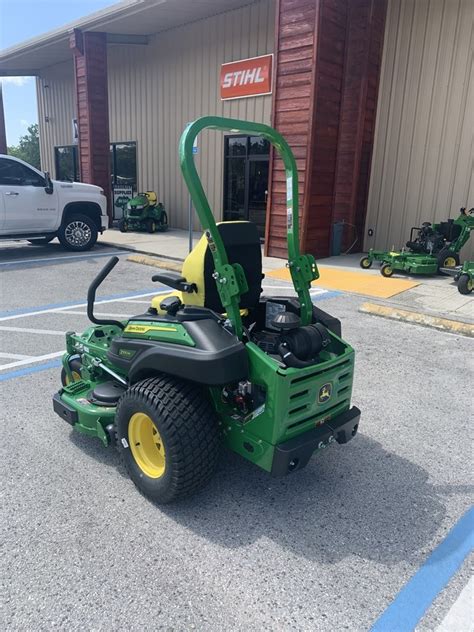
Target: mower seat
x,y
242,245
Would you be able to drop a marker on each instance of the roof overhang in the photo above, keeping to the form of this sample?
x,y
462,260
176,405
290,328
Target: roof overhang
x,y
127,22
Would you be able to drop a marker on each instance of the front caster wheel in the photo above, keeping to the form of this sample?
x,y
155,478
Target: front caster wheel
x,y
168,436
465,284
75,366
365,263
386,270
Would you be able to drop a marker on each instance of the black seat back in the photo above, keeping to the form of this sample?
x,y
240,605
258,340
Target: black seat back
x,y
242,245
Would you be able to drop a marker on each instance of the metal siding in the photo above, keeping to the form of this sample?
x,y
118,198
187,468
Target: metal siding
x,y
422,167
155,90
55,92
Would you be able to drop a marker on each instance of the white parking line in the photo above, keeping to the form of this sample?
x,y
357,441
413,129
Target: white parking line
x,y
459,616
131,300
31,360
65,257
27,330
14,356
52,310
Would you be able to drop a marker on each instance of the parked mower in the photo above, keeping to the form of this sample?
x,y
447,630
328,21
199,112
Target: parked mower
x,y
464,276
144,212
214,361
430,248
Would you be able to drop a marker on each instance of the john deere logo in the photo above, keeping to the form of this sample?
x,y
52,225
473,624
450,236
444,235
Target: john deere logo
x,y
325,393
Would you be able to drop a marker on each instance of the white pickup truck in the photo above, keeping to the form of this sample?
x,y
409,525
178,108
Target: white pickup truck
x,y
36,208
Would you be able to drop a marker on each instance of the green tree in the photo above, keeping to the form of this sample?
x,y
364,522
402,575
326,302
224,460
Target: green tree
x,y
28,147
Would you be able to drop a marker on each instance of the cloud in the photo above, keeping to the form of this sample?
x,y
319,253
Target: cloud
x,y
16,81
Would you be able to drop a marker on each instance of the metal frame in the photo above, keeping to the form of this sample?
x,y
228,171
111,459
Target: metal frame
x,y
230,278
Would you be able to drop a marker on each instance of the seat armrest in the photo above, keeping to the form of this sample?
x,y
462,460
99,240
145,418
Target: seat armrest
x,y
175,280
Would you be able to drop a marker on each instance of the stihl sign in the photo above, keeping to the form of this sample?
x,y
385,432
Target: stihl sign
x,y
247,77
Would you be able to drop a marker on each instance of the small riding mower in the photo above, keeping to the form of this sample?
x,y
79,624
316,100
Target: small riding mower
x,y
214,361
144,212
463,275
435,246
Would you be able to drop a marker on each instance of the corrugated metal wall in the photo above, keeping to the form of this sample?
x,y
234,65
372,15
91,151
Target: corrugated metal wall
x,y
422,166
56,102
155,90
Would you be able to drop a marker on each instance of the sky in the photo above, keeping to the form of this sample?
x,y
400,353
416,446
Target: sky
x,y
20,20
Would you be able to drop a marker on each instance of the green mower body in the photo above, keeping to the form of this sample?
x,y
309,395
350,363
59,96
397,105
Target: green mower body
x,y
270,377
435,248
144,213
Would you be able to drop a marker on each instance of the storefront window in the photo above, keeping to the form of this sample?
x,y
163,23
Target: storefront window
x,y
66,162
123,164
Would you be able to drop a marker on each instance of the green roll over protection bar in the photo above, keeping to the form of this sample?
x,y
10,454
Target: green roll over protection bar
x,y
230,278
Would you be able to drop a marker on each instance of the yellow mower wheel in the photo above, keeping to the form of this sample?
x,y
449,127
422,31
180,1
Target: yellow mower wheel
x,y
386,270
75,366
146,445
365,263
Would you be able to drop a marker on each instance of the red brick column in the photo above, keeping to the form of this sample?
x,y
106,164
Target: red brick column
x,y
327,64
90,70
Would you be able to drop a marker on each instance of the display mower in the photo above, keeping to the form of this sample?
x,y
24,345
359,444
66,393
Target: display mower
x,y
464,276
435,246
214,362
144,213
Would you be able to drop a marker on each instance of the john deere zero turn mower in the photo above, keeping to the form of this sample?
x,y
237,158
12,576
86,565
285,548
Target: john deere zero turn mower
x,y
214,361
144,212
435,246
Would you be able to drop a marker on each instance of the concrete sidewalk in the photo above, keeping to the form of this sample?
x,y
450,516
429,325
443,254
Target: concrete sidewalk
x,y
433,296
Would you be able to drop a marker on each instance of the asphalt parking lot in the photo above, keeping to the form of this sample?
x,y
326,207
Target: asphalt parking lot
x,y
326,549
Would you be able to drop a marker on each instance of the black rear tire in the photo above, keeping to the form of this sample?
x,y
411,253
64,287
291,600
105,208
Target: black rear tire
x,y
163,223
188,428
123,226
78,232
465,284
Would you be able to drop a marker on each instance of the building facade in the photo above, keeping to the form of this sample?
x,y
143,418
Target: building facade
x,y
374,96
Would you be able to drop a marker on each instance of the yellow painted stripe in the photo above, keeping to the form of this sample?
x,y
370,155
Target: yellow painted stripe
x,y
418,318
143,329
155,263
351,281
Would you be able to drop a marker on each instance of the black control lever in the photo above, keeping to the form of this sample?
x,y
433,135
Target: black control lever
x,y
106,270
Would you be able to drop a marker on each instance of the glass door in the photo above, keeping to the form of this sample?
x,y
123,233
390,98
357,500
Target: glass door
x,y
246,179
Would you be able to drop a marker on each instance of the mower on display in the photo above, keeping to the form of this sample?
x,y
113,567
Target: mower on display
x,y
214,362
144,212
463,275
435,246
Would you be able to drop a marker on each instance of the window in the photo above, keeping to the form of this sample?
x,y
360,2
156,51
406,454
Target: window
x,y
67,163
123,164
14,173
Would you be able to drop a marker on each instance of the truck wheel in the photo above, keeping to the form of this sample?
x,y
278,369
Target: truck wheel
x,y
386,270
365,263
465,284
78,232
168,436
123,226
41,241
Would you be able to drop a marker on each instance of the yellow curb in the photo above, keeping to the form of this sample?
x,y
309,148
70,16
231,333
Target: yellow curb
x,y
351,281
155,263
394,313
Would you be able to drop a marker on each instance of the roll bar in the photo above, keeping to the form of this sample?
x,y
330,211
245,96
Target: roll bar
x,y
230,279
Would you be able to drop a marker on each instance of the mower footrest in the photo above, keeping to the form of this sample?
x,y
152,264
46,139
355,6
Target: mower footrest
x,y
64,410
294,454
